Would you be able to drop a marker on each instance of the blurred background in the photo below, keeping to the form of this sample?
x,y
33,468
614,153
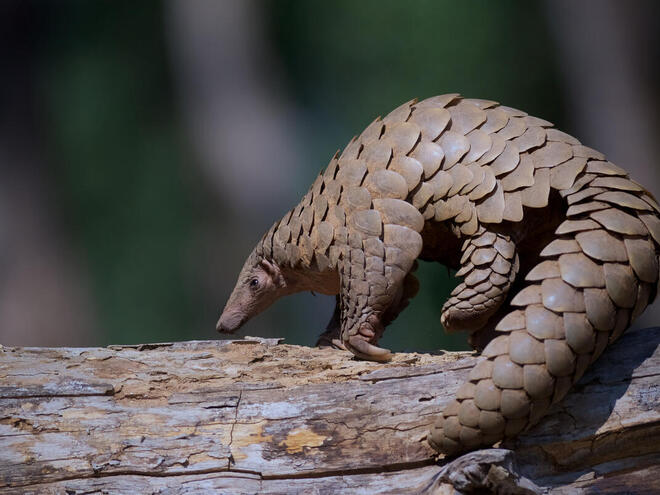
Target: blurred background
x,y
146,146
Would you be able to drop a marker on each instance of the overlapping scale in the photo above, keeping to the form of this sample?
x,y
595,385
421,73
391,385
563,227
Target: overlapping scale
x,y
475,165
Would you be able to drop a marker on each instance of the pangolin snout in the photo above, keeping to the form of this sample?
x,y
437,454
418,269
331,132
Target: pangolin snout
x,y
229,322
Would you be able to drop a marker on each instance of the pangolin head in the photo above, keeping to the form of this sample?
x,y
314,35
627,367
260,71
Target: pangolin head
x,y
260,283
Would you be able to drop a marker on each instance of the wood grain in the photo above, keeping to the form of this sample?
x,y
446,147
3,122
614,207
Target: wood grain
x,y
257,416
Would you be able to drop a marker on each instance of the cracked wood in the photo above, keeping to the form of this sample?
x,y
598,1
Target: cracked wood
x,y
258,416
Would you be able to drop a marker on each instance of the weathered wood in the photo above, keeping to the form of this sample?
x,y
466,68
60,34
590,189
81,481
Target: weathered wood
x,y
256,416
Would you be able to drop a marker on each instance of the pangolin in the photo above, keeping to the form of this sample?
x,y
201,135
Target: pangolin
x,y
557,249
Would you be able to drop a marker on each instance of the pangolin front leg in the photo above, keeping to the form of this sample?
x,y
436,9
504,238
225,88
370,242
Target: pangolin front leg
x,y
375,281
331,336
488,266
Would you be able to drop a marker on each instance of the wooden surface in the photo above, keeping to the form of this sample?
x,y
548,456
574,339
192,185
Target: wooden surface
x,y
256,416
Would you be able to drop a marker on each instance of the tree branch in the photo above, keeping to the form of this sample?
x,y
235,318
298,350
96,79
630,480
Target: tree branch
x,y
255,415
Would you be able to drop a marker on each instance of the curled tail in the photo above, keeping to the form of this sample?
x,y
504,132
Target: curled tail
x,y
594,279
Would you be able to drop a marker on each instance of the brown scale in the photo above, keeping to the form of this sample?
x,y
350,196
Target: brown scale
x,y
557,249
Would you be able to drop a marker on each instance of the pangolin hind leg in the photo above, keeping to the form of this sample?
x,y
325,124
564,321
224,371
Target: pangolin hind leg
x,y
489,266
596,277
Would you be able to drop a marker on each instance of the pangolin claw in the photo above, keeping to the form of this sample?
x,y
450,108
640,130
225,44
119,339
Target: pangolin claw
x,y
363,349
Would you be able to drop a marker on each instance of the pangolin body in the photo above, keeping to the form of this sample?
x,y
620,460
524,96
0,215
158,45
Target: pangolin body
x,y
507,200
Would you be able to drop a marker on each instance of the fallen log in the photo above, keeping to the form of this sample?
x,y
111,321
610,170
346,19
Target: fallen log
x,y
257,416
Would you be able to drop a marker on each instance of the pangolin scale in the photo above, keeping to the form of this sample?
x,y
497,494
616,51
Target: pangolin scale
x,y
557,249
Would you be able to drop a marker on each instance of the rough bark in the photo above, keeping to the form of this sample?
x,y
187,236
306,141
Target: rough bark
x,y
257,416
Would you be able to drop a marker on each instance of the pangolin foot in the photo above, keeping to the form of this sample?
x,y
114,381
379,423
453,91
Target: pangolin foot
x,y
362,343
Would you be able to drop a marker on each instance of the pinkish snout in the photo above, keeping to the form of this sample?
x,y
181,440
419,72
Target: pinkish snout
x,y
229,322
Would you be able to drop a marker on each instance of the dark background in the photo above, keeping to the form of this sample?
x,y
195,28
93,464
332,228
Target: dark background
x,y
145,146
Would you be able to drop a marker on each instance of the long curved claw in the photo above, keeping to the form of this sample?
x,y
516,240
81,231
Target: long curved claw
x,y
364,350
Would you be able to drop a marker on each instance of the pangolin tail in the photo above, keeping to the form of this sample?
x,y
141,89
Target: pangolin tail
x,y
595,278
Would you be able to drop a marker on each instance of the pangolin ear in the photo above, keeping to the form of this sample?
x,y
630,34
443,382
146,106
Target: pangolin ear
x,y
273,271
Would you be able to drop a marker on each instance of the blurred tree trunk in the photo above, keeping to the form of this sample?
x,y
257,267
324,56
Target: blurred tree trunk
x,y
234,103
608,54
243,131
43,287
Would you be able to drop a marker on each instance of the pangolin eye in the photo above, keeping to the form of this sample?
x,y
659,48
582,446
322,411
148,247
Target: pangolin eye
x,y
254,283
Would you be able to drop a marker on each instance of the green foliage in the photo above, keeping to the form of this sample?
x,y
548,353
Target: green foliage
x,y
355,60
121,165
350,61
